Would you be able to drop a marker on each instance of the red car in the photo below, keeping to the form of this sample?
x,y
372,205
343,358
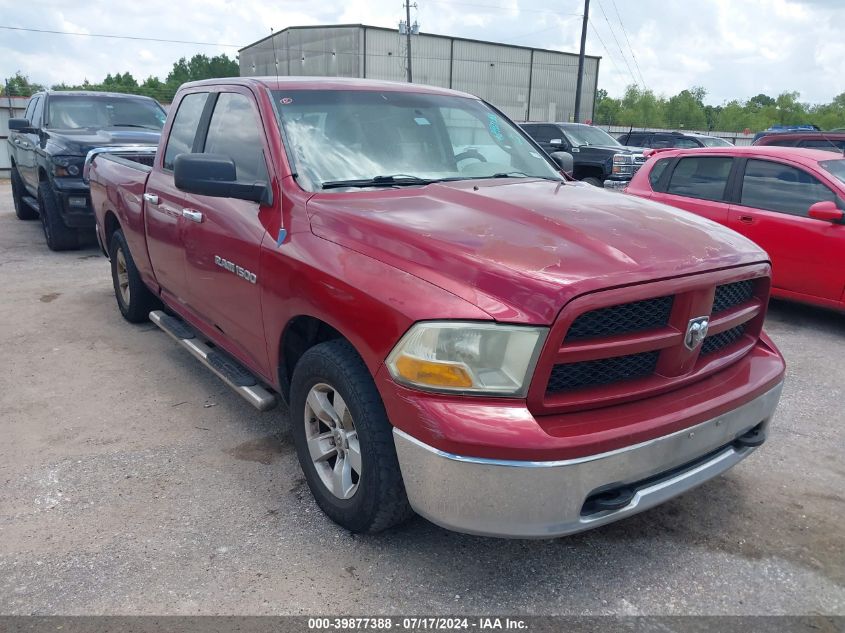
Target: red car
x,y
828,141
788,200
457,328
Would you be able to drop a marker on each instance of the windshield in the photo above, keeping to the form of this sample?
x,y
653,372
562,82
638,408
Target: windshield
x,y
713,141
352,135
586,135
74,112
835,167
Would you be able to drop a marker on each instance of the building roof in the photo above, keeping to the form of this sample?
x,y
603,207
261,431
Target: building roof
x,y
381,28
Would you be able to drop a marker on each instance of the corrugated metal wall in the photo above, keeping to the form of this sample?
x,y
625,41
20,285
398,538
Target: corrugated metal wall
x,y
526,84
9,109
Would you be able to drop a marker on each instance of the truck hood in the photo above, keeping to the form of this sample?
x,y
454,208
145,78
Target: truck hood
x,y
79,142
521,249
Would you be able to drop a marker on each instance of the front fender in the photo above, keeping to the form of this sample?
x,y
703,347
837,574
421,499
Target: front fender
x,y
372,304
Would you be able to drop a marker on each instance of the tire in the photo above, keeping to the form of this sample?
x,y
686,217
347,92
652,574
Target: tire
x,y
22,210
59,236
592,180
377,499
134,299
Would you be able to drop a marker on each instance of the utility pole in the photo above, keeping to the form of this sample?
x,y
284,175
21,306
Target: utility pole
x,y
408,36
580,82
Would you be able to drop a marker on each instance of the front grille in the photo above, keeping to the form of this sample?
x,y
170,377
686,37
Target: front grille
x,y
731,295
592,373
721,340
622,319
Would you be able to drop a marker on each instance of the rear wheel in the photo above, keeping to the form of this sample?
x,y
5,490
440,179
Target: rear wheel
x,y
59,236
22,210
592,180
344,440
133,297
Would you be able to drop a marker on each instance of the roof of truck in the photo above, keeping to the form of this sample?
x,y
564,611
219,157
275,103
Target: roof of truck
x,y
328,83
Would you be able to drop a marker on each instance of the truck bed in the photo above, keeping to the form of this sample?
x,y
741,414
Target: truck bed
x,y
118,180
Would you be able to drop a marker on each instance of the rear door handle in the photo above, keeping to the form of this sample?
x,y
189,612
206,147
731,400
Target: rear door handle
x,y
746,219
192,215
151,198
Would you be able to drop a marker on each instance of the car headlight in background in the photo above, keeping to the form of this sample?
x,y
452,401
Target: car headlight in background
x,y
67,166
623,164
467,357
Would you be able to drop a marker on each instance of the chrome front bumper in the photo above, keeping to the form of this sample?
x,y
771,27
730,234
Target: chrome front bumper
x,y
521,499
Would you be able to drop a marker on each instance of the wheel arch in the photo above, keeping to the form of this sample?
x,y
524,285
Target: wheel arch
x,y
301,333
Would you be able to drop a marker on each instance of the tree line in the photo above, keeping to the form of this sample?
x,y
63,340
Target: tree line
x,y
686,110
193,69
638,107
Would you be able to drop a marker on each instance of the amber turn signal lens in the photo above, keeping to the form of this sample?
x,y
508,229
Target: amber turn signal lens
x,y
432,374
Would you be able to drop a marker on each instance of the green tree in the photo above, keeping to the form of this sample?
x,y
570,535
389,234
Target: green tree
x,y
686,109
607,108
19,85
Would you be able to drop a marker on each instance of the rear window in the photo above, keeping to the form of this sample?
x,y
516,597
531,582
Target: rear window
x,y
657,171
819,143
702,177
184,128
714,141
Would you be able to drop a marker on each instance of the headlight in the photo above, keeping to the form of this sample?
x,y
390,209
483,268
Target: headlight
x,y
467,357
64,166
623,159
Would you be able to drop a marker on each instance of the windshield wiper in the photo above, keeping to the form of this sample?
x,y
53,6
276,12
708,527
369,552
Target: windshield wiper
x,y
518,174
146,127
399,180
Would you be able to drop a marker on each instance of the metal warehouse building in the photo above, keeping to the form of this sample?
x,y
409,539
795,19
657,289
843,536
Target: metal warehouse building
x,y
526,83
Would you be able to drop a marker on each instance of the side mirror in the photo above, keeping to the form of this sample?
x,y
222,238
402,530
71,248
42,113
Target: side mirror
x,y
826,211
216,175
564,160
20,125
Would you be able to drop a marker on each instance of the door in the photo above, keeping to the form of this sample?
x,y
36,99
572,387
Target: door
x,y
698,184
808,255
163,203
26,144
223,235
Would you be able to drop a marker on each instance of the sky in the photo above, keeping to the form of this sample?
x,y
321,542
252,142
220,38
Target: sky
x,y
735,49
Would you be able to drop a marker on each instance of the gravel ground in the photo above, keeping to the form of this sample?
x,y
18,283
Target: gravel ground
x,y
132,481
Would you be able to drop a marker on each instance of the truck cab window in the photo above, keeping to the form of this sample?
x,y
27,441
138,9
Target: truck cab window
x,y
184,127
234,131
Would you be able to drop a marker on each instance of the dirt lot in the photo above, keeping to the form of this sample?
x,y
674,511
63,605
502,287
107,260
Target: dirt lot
x,y
133,481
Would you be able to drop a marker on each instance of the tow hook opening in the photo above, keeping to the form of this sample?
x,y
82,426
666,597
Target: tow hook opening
x,y
751,438
608,500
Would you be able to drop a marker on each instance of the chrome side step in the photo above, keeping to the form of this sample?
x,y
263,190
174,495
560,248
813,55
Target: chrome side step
x,y
224,367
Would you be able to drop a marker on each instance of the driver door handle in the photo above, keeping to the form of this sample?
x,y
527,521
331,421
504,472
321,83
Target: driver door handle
x,y
192,215
746,219
151,198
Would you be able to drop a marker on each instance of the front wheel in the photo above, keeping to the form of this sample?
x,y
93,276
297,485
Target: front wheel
x,y
59,236
22,210
344,440
592,180
133,297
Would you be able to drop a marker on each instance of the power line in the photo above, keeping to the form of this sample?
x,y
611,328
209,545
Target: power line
x,y
610,55
631,48
118,37
618,45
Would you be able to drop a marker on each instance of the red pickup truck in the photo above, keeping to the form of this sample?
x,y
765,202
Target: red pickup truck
x,y
457,329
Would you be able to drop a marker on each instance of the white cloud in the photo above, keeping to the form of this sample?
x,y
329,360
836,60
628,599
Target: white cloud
x,y
733,49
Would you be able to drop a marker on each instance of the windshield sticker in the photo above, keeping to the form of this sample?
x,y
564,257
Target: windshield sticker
x,y
493,126
285,100
422,120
